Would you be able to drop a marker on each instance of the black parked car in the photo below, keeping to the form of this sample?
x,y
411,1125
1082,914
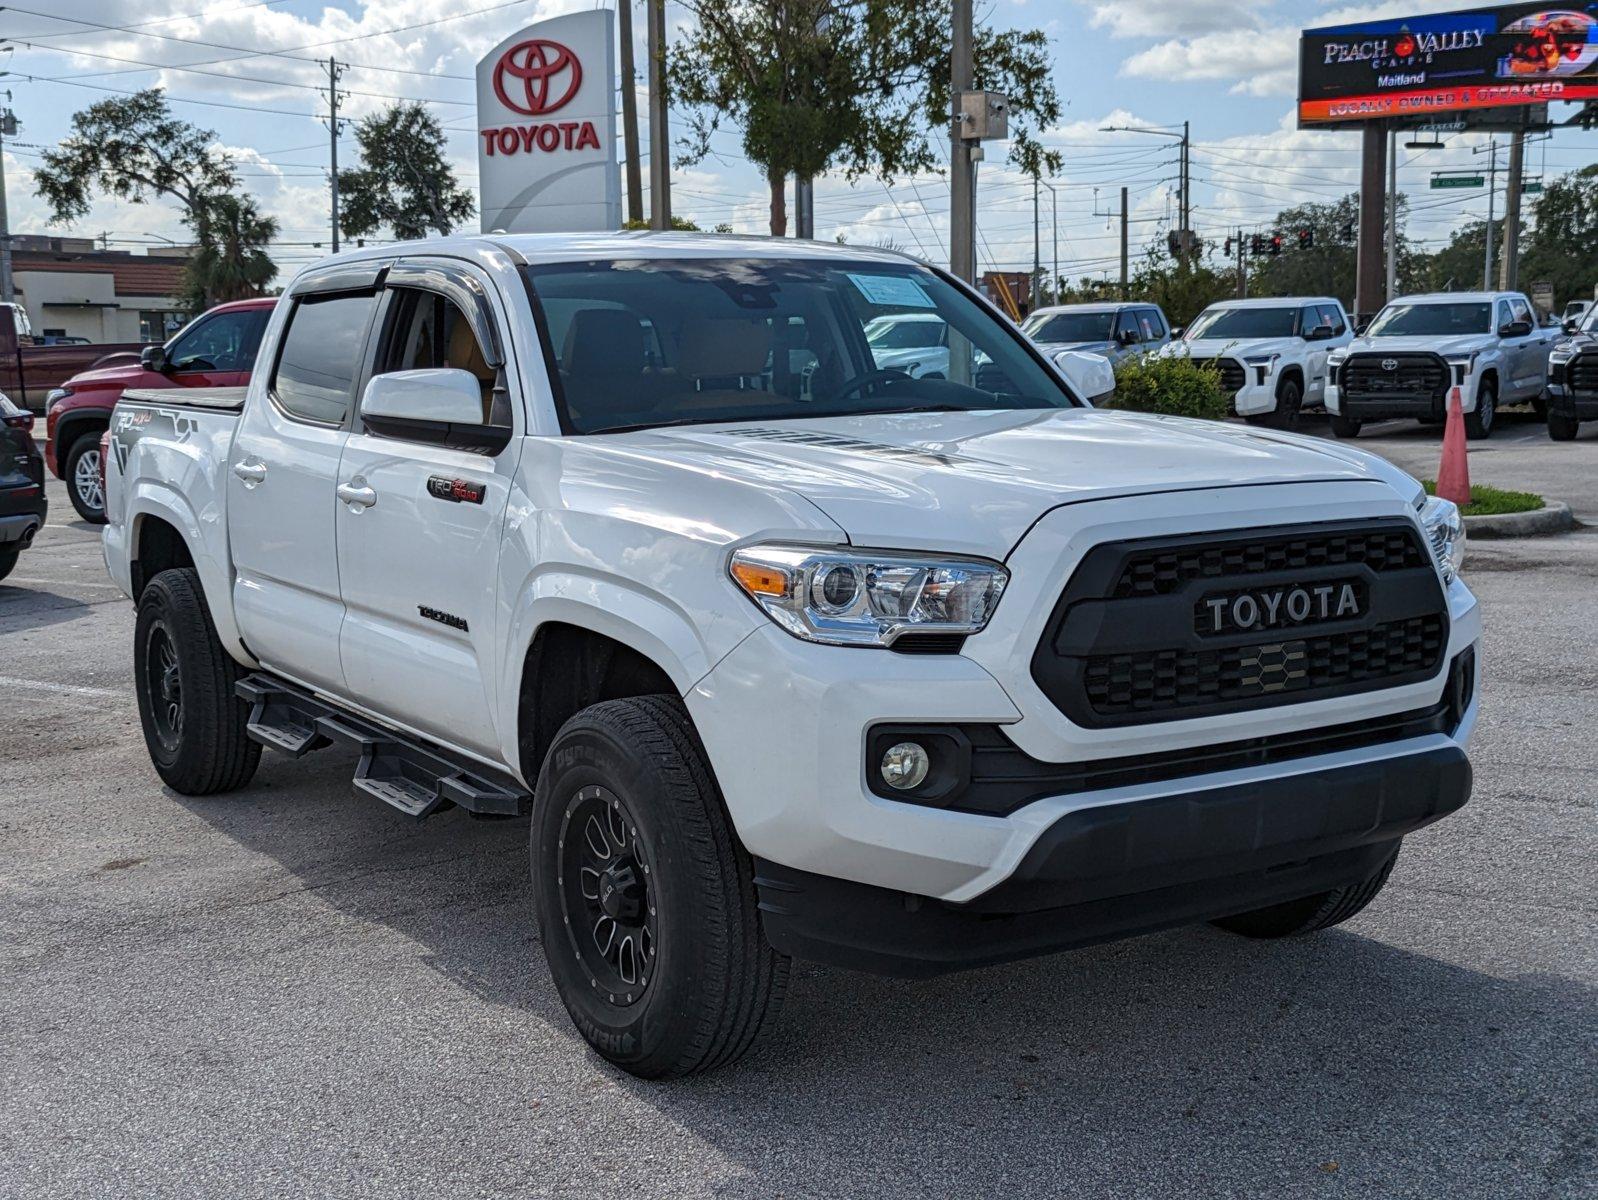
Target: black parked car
x,y
22,504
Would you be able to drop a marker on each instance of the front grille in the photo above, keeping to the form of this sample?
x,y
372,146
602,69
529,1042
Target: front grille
x,y
1411,376
1166,629
1231,371
1582,372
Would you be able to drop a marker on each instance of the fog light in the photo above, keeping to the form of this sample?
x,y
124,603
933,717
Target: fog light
x,y
905,766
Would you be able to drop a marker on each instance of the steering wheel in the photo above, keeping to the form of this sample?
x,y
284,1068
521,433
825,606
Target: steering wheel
x,y
870,377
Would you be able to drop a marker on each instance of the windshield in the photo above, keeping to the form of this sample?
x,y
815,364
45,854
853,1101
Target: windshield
x,y
1052,328
1244,323
640,343
885,333
1431,320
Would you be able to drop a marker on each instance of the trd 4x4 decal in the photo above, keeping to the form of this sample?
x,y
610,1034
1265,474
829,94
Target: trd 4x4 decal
x,y
457,491
131,424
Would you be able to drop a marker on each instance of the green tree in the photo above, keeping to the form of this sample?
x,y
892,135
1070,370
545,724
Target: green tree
x,y
1182,290
134,148
1330,266
230,261
1457,266
855,84
403,181
1563,247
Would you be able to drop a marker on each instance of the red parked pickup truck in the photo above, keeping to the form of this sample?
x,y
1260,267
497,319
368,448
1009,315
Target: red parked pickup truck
x,y
216,349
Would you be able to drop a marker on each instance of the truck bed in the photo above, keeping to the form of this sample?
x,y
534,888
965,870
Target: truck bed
x,y
217,399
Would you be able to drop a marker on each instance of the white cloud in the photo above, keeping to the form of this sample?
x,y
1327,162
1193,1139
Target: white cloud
x,y
1162,18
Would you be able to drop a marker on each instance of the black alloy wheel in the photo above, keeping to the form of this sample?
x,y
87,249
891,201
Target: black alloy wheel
x,y
163,684
607,903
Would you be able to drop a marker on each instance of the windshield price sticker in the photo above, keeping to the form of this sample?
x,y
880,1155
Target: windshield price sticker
x,y
901,290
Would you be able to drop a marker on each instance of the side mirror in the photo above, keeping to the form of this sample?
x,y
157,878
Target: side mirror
x,y
153,358
1178,333
439,405
1514,329
1321,333
1127,337
1572,327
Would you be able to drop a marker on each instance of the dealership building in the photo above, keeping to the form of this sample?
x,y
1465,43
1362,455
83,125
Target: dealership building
x,y
72,289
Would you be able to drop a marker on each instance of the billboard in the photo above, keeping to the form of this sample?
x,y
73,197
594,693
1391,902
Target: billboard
x,y
1504,56
546,128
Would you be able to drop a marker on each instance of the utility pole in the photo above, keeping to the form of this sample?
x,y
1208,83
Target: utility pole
x,y
1126,281
629,112
1492,200
1054,221
1187,194
962,183
1242,268
1037,250
804,206
335,70
1509,269
8,128
1392,214
659,134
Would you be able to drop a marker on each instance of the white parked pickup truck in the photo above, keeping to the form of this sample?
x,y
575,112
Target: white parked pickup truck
x,y
1271,353
1419,348
785,654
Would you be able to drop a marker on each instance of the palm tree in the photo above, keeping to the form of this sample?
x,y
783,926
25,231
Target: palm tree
x,y
230,260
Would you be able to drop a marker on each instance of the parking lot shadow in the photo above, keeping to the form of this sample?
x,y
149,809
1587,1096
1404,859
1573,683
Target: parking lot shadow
x,y
23,606
1215,1064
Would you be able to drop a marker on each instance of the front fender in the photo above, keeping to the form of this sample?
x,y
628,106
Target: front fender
x,y
617,608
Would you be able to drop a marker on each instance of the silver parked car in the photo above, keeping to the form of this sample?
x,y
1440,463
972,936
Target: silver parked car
x,y
1115,330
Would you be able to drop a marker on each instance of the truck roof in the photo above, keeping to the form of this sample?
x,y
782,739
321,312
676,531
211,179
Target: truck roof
x,y
539,248
1454,298
1275,301
1094,306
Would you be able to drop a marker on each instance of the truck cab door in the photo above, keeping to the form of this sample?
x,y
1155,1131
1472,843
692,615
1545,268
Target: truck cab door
x,y
282,475
423,493
214,351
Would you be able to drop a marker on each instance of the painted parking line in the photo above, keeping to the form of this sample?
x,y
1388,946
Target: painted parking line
x,y
65,689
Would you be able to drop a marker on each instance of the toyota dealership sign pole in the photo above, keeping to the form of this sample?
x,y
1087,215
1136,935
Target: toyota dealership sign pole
x,y
546,128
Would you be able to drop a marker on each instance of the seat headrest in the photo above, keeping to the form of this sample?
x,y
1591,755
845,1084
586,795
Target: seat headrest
x,y
604,341
731,346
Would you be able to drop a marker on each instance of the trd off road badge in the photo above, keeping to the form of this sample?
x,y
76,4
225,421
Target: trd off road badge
x,y
456,491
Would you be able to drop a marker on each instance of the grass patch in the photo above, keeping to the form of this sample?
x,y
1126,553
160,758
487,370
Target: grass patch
x,y
1493,502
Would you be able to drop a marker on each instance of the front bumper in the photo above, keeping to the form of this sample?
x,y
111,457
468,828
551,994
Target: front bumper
x,y
1255,399
1582,406
1417,406
1115,871
786,723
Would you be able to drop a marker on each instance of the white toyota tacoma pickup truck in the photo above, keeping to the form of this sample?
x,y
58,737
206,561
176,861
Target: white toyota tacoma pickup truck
x,y
1271,353
784,653
1419,348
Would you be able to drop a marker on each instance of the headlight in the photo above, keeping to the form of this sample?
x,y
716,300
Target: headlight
x,y
1263,364
848,598
1463,365
54,394
1445,529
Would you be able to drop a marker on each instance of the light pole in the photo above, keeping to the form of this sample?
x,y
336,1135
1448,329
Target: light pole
x,y
1492,199
1054,219
1185,207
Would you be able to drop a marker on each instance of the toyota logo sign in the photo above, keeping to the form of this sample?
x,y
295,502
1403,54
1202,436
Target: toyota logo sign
x,y
1389,364
537,76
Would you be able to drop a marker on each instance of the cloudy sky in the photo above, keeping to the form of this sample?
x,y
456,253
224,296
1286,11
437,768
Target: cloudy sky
x,y
251,74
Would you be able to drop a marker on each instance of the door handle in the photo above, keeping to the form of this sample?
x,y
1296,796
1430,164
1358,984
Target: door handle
x,y
251,473
357,496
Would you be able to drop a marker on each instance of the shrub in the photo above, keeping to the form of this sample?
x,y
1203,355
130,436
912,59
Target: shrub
x,y
1175,386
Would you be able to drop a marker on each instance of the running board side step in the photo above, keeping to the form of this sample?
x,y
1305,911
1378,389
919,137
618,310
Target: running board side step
x,y
399,769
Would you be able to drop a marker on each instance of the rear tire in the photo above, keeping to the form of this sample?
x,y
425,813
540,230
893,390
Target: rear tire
x,y
1310,913
1480,422
1346,427
194,724
1562,427
8,560
82,469
646,900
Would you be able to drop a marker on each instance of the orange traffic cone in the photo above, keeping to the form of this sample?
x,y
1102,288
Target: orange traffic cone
x,y
1453,475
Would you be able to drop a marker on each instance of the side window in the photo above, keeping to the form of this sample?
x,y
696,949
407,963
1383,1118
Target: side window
x,y
225,342
1127,323
425,330
320,356
1332,316
1153,324
1522,311
1308,319
1503,314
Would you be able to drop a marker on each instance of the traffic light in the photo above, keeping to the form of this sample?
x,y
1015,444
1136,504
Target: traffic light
x,y
1306,239
1228,247
1173,243
1256,245
1276,244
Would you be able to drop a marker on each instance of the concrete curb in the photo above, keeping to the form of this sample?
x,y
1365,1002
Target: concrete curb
x,y
1553,517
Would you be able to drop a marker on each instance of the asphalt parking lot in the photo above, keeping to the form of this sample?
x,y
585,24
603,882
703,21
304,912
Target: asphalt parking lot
x,y
290,991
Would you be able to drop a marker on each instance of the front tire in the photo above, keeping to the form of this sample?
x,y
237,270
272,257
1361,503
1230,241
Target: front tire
x,y
1563,427
1289,404
194,724
1346,427
82,469
1479,423
646,900
1310,913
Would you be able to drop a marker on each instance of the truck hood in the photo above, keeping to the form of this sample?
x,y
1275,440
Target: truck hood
x,y
1467,344
1237,348
1053,348
118,375
974,483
